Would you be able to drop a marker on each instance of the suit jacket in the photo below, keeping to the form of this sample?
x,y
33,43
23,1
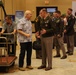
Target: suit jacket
x,y
59,26
47,24
70,26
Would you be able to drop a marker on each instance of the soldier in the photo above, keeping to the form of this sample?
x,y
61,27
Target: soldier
x,y
70,32
37,29
55,43
59,34
47,33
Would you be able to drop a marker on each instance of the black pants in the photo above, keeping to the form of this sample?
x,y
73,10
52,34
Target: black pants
x,y
38,52
12,49
25,47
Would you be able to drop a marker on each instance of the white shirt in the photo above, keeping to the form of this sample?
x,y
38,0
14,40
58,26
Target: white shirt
x,y
65,21
26,26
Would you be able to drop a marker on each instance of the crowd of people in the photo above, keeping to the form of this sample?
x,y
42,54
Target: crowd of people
x,y
49,30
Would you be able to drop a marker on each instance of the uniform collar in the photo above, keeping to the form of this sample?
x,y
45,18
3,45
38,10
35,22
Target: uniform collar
x,y
70,15
46,16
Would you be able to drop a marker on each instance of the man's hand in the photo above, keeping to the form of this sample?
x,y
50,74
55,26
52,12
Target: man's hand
x,y
65,31
43,31
23,33
37,35
27,35
58,35
13,33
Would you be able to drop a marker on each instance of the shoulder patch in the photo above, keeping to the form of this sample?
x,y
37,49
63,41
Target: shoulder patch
x,y
73,17
37,20
58,21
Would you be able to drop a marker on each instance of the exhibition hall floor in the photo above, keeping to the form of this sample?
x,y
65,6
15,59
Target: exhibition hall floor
x,y
60,66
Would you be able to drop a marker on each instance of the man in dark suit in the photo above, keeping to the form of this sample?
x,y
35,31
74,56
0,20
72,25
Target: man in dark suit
x,y
70,32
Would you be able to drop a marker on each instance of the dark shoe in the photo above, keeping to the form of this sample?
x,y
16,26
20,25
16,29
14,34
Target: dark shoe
x,y
29,67
48,68
64,57
67,52
56,56
41,67
70,53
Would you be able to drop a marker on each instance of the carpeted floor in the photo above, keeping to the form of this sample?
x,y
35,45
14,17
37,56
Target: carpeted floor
x,y
60,66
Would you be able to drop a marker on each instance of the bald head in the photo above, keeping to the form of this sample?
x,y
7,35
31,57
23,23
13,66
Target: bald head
x,y
28,14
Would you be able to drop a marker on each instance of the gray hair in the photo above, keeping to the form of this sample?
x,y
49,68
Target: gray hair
x,y
27,12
